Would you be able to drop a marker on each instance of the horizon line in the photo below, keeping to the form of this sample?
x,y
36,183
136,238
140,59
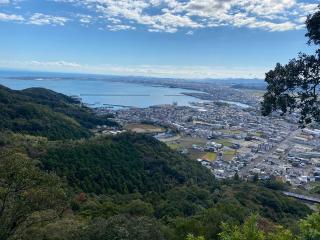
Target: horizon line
x,y
2,69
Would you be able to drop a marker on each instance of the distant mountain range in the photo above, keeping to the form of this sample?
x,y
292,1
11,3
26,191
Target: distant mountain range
x,y
19,74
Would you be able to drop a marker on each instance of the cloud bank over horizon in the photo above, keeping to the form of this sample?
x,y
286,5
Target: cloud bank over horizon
x,y
165,71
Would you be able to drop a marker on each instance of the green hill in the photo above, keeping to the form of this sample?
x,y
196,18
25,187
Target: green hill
x,y
128,164
123,164
128,184
46,113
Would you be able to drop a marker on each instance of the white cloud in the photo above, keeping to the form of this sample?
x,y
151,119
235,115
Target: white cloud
x,y
172,15
4,1
52,64
120,27
85,19
8,2
35,19
43,19
140,70
10,17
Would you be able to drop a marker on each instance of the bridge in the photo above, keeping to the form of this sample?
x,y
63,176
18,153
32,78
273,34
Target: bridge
x,y
302,197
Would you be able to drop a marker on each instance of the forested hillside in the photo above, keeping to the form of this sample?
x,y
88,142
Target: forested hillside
x,y
129,187
123,164
46,113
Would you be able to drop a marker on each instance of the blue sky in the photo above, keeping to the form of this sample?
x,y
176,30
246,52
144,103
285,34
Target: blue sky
x,y
163,38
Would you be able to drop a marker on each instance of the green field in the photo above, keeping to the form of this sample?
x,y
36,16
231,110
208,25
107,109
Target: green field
x,y
225,142
174,146
144,128
258,134
231,131
210,156
187,142
229,154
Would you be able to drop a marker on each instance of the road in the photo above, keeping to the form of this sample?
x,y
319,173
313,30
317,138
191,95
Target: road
x,y
244,171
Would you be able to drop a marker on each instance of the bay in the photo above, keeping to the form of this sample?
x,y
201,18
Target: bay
x,y
98,92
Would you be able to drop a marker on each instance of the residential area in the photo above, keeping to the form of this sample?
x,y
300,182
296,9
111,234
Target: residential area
x,y
231,138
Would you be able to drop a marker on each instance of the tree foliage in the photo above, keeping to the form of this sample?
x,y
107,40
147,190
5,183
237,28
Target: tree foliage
x,y
313,26
295,86
45,113
310,227
129,186
123,164
192,237
28,196
124,227
250,230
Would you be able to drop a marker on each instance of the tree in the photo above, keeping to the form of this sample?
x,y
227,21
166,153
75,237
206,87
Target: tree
x,y
313,25
124,227
295,86
138,208
249,231
310,227
28,196
255,178
192,237
236,177
281,234
65,228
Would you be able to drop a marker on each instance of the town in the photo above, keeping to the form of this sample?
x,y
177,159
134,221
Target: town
x,y
233,138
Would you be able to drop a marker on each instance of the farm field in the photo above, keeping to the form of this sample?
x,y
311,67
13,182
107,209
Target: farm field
x,y
229,154
211,156
144,128
225,142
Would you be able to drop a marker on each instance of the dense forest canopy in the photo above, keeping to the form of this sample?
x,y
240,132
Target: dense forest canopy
x,y
125,164
103,188
45,113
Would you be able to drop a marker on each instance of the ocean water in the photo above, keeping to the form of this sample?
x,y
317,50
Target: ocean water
x,y
98,92
242,105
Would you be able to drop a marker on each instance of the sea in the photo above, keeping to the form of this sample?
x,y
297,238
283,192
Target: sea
x,y
95,91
